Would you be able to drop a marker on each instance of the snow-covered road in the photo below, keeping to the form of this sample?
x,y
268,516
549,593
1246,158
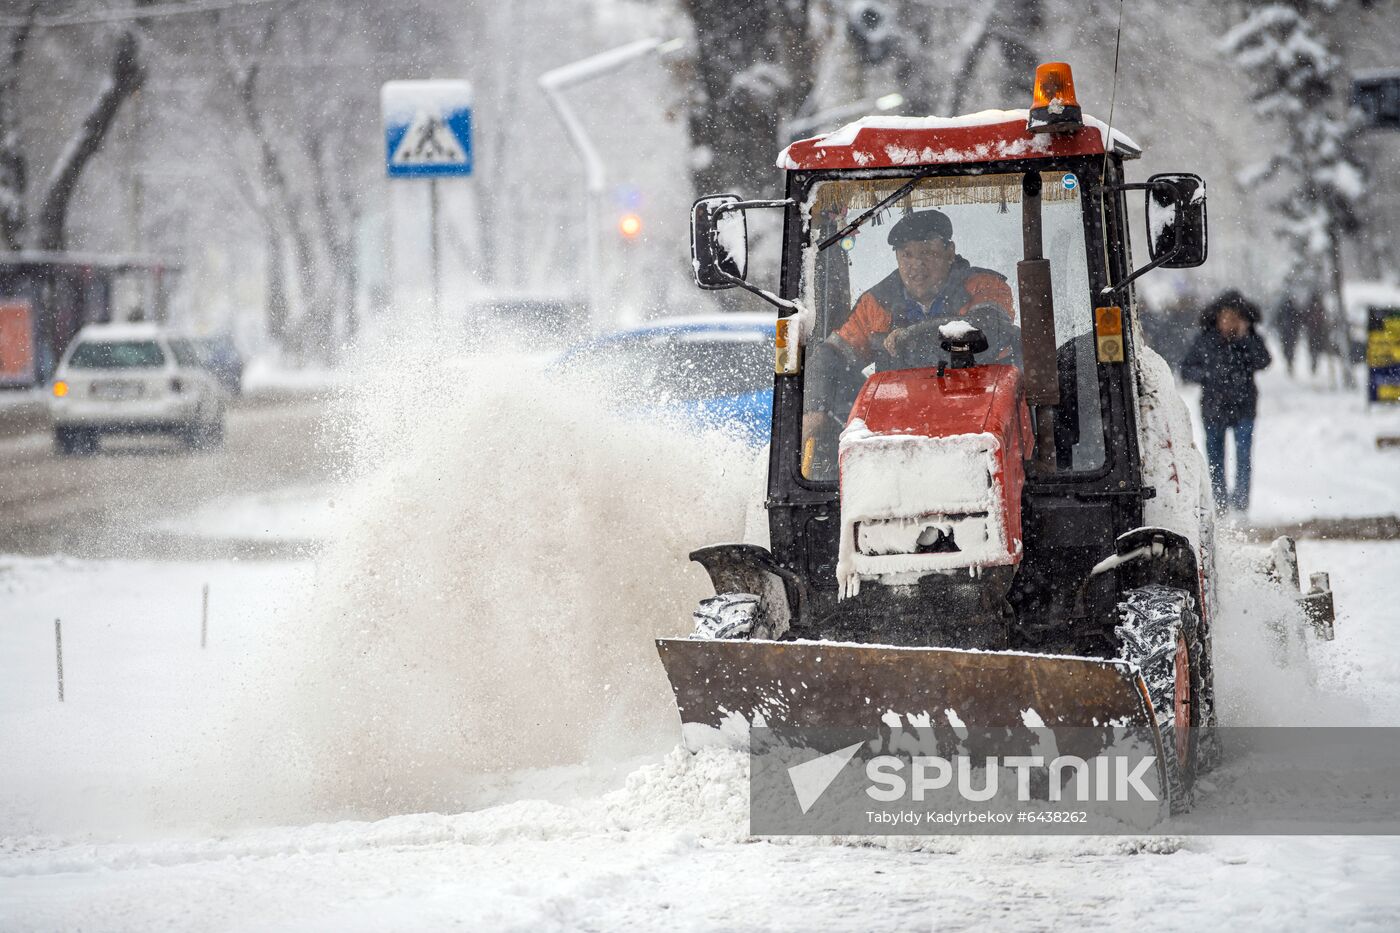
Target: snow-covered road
x,y
121,812
532,868
402,736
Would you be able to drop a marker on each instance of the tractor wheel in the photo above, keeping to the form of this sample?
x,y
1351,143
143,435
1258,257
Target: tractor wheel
x,y
1160,632
732,615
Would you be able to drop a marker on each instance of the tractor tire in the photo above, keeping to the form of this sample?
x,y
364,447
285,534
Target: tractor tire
x,y
731,616
1160,632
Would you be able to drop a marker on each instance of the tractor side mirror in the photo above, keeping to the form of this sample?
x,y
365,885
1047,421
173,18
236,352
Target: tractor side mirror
x,y
719,242
1176,220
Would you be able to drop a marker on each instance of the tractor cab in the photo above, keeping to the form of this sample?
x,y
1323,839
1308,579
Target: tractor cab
x,y
983,502
1002,235
986,513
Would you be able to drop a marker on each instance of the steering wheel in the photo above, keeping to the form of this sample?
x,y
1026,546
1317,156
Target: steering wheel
x,y
922,345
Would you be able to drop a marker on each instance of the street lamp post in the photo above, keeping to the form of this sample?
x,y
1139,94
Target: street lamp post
x,y
553,83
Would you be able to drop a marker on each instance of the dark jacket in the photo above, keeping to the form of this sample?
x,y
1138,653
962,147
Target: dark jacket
x,y
1225,369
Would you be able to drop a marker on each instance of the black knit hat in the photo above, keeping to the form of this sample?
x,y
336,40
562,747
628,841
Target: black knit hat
x,y
921,225
1231,298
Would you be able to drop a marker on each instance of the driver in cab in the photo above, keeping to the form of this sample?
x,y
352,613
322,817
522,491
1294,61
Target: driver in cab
x,y
895,323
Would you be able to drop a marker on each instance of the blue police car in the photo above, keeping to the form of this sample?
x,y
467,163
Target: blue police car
x,y
713,370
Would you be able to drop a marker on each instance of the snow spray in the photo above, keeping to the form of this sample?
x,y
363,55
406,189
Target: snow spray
x,y
512,545
1265,669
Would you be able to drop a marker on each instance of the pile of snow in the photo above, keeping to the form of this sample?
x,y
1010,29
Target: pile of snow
x,y
501,553
705,794
510,546
300,513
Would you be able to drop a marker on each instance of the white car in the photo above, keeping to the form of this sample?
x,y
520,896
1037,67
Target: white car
x,y
133,379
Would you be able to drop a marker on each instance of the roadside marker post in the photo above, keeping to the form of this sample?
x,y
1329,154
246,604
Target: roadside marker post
x,y
58,650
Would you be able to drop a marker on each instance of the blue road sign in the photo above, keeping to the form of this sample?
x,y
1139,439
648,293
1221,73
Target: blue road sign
x,y
427,128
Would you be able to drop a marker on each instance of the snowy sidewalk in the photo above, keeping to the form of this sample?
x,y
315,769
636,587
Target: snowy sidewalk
x,y
1315,452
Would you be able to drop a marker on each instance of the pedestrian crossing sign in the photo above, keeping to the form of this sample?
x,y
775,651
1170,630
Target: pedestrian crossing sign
x,y
427,128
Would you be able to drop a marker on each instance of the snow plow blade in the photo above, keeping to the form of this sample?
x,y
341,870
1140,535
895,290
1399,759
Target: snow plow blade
x,y
727,685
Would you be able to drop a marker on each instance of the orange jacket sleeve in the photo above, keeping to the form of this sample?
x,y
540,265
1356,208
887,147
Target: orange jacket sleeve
x,y
867,320
984,289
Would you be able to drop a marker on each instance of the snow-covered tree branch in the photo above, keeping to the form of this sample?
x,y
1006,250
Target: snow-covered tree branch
x,y
1295,76
13,181
754,65
123,78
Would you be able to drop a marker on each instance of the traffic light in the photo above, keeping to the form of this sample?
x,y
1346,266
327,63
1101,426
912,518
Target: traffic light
x,y
630,226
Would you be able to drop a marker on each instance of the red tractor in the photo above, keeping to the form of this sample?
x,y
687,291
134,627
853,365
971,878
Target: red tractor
x,y
984,502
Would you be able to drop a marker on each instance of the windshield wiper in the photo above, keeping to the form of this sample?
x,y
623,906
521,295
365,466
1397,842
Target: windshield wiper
x,y
854,225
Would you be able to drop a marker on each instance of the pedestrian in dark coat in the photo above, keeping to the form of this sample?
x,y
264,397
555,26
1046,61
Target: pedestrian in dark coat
x,y
1319,334
1224,358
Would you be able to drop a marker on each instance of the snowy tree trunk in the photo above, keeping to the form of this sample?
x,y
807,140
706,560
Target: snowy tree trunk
x,y
287,219
1015,27
913,62
755,64
1341,331
935,79
13,181
278,309
123,80
971,47
337,227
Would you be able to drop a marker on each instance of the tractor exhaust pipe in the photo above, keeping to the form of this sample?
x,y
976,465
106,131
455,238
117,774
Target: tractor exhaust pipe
x,y
1037,325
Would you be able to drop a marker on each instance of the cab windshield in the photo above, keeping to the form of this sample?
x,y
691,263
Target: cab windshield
x,y
947,250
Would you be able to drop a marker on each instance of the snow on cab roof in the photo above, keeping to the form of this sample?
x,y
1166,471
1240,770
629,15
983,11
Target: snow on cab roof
x,y
987,136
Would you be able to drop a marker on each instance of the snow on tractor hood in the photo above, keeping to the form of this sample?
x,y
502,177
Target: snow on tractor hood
x,y
988,136
931,475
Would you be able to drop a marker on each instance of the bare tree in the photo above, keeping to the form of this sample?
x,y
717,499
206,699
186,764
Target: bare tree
x,y
754,66
1296,83
13,169
278,215
303,145
935,76
124,77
